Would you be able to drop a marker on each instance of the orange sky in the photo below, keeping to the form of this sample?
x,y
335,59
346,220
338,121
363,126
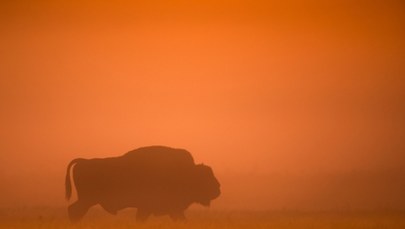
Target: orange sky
x,y
251,87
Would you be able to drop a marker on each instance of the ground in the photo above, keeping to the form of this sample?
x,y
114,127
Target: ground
x,y
46,217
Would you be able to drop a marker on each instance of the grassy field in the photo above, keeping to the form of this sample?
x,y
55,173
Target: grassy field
x,y
56,218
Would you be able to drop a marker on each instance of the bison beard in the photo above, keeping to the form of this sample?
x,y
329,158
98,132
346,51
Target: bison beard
x,y
156,180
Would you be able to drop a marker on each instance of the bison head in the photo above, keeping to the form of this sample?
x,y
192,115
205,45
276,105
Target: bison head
x,y
206,186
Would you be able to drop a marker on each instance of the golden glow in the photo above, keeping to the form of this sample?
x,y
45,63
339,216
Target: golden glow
x,y
254,89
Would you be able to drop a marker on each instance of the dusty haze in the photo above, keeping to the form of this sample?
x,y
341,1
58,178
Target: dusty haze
x,y
297,105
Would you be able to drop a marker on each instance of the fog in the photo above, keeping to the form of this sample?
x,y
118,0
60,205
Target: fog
x,y
293,105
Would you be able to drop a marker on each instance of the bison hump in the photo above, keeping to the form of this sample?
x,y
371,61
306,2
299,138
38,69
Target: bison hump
x,y
160,156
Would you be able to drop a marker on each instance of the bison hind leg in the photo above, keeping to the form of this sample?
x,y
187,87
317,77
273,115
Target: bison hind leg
x,y
77,210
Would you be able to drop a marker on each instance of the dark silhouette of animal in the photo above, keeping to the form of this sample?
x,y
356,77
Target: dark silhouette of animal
x,y
157,180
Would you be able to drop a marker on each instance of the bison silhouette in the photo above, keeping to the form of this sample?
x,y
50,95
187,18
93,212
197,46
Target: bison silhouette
x,y
157,180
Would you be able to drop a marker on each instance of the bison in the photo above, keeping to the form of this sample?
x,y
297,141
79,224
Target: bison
x,y
157,180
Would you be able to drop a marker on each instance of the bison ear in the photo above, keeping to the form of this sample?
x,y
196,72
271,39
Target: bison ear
x,y
202,171
201,167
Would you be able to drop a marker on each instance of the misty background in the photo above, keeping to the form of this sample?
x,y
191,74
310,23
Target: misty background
x,y
296,105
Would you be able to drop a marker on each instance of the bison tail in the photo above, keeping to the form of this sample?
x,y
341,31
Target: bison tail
x,y
68,184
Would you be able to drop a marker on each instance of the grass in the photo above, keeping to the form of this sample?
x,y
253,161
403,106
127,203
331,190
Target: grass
x,y
56,218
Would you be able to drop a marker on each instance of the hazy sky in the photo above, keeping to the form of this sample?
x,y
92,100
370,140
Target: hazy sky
x,y
247,87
